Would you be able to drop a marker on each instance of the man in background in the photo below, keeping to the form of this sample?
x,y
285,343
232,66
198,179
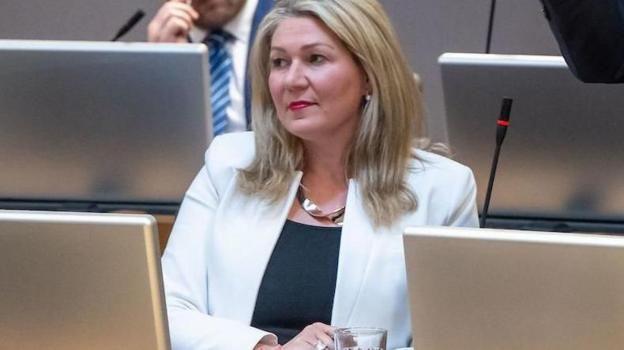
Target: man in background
x,y
590,34
228,28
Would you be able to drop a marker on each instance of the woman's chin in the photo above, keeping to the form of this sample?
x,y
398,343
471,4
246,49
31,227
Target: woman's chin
x,y
306,129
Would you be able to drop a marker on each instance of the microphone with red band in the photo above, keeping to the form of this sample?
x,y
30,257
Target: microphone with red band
x,y
503,120
501,130
502,123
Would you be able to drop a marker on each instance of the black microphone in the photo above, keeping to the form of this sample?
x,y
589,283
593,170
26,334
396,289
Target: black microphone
x,y
129,25
501,130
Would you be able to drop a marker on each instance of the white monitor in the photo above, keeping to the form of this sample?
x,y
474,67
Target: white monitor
x,y
488,289
75,281
100,123
563,154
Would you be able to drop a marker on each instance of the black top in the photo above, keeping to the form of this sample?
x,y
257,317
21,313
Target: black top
x,y
299,282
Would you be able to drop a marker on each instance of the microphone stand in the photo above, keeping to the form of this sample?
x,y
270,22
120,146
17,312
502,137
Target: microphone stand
x,y
488,40
501,131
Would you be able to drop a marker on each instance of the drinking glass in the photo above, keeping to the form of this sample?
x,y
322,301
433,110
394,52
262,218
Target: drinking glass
x,y
360,338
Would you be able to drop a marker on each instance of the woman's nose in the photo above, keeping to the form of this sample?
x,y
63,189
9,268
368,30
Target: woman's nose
x,y
296,77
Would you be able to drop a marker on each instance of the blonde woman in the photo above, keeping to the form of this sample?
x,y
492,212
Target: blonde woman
x,y
296,228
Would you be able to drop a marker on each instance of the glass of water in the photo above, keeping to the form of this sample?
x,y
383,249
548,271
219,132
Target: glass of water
x,y
360,338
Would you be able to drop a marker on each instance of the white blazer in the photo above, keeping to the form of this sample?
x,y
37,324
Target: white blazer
x,y
222,241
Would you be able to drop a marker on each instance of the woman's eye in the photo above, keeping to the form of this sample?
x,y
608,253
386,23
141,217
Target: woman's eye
x,y
278,62
316,59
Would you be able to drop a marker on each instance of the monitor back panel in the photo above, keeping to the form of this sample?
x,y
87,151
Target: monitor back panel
x,y
493,289
101,122
80,281
562,157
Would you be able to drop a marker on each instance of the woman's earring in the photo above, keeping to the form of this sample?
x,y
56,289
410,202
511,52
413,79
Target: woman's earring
x,y
366,100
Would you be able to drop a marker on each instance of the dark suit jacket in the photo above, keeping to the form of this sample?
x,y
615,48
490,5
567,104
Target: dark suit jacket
x,y
591,37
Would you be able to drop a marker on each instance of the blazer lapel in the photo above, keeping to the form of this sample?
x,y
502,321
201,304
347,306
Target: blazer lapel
x,y
355,250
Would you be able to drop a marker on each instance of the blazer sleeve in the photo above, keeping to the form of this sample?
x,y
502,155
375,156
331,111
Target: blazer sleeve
x,y
463,209
185,276
590,34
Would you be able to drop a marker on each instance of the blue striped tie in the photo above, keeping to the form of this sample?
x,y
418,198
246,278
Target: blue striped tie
x,y
220,72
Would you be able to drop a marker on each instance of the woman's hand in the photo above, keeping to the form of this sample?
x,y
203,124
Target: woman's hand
x,y
316,336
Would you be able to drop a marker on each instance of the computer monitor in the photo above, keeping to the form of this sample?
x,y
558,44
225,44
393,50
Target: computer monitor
x,y
100,124
75,281
490,289
564,151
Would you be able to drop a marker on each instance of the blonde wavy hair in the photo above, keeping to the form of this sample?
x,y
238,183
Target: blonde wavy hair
x,y
390,125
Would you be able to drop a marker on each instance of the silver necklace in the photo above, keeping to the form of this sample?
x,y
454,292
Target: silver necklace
x,y
335,216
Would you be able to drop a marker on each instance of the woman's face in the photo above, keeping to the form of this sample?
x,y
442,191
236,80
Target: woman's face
x,y
316,85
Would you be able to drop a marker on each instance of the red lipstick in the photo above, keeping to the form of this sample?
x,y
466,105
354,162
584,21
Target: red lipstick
x,y
297,105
